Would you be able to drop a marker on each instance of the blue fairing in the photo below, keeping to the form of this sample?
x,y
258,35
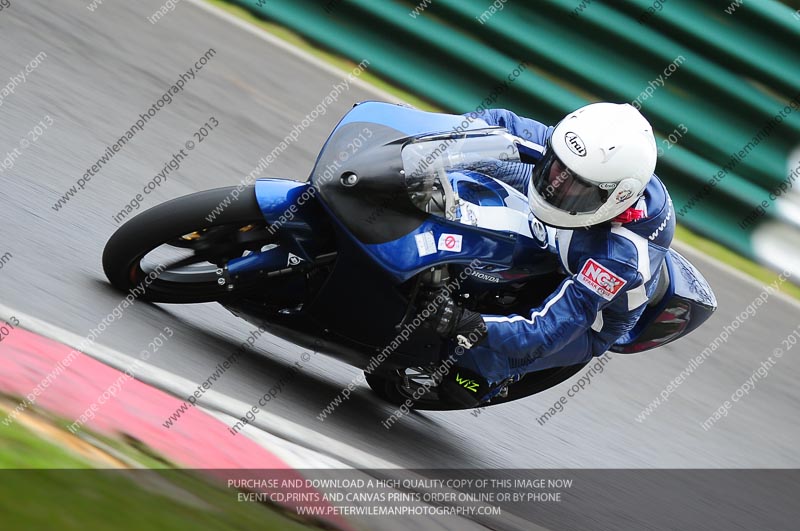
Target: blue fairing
x,y
288,206
408,120
279,198
480,190
402,257
276,196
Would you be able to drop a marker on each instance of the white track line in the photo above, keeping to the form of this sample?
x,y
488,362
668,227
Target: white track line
x,y
213,400
300,447
294,455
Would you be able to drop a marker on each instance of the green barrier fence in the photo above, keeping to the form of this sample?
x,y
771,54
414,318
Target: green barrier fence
x,y
720,82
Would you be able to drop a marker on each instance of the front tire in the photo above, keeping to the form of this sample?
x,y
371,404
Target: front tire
x,y
182,225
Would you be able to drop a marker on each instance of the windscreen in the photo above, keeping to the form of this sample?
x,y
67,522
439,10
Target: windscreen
x,y
427,161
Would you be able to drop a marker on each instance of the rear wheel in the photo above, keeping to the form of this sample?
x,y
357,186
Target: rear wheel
x,y
419,386
413,383
176,254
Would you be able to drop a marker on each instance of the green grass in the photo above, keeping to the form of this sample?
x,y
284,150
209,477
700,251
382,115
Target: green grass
x,y
45,486
760,273
20,448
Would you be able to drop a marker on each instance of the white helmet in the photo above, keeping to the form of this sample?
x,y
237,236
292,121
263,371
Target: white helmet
x,y
597,164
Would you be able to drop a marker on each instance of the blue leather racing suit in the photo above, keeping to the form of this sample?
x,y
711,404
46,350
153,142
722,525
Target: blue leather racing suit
x,y
612,269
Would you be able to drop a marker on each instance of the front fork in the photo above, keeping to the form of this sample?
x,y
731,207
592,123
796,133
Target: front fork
x,y
297,225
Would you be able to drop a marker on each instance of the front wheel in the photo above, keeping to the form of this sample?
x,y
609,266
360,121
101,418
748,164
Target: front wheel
x,y
177,251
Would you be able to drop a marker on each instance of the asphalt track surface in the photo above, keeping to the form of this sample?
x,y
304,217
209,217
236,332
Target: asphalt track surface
x,y
104,68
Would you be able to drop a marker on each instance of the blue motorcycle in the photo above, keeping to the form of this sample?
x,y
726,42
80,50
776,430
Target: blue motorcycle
x,y
400,204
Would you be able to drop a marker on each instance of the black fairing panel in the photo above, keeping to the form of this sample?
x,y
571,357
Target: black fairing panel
x,y
358,300
377,208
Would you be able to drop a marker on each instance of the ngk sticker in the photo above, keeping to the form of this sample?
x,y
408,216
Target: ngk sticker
x,y
450,242
600,280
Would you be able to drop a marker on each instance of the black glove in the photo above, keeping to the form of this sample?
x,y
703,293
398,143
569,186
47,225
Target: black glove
x,y
454,322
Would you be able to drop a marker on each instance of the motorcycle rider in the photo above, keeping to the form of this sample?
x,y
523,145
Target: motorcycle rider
x,y
609,219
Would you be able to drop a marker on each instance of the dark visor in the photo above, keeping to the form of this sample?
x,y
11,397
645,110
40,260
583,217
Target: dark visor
x,y
565,189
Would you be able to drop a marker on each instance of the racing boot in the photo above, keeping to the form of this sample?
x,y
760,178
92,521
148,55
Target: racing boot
x,y
463,388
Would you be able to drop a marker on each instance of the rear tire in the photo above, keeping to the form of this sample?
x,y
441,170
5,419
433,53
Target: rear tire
x,y
390,387
183,223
